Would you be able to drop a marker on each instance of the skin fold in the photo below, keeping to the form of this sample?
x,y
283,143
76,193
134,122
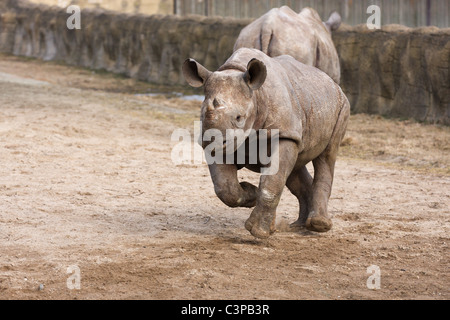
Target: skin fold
x,y
309,110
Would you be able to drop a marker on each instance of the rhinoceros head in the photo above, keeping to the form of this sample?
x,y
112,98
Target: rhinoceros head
x,y
229,102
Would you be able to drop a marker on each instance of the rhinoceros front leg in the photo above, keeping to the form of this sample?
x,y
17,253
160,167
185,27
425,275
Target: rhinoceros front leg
x,y
261,222
228,188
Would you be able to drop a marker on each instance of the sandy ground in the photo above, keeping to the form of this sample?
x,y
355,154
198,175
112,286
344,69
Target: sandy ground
x,y
87,181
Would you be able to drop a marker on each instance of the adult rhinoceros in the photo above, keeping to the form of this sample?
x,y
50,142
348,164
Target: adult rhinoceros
x,y
309,111
303,36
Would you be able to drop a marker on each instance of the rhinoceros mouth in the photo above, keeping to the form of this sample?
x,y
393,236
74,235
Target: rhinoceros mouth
x,y
230,147
225,146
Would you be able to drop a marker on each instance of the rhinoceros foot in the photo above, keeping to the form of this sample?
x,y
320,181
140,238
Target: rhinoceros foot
x,y
319,224
258,228
297,225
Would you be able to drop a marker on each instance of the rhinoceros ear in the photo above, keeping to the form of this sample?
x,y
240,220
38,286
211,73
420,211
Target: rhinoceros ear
x,y
256,74
194,73
334,22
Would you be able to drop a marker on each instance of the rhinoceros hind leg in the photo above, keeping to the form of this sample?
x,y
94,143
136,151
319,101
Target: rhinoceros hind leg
x,y
318,219
300,185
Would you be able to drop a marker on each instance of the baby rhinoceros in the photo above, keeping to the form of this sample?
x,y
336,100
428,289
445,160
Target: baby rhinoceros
x,y
307,109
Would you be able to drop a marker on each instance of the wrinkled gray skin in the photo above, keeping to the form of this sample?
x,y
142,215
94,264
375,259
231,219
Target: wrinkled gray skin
x,y
252,90
304,36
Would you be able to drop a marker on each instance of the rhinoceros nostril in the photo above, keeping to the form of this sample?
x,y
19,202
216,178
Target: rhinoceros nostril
x,y
210,115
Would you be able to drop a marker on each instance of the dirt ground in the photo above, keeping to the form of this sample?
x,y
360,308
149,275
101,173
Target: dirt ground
x,y
86,180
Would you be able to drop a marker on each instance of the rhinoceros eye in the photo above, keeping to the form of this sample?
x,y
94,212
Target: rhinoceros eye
x,y
240,121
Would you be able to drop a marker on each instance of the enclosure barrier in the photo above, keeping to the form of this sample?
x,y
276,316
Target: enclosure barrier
x,y
411,13
395,71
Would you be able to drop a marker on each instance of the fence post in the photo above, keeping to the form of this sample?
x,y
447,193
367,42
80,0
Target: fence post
x,y
428,12
177,7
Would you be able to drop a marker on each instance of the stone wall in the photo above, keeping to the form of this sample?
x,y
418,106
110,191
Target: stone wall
x,y
150,48
395,71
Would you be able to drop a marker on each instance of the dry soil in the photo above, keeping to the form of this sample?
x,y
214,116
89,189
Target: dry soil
x,y
87,181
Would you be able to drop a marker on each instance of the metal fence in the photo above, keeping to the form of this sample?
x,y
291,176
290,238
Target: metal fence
x,y
411,13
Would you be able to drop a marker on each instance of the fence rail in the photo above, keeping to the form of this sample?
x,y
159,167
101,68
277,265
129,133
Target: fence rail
x,y
411,13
